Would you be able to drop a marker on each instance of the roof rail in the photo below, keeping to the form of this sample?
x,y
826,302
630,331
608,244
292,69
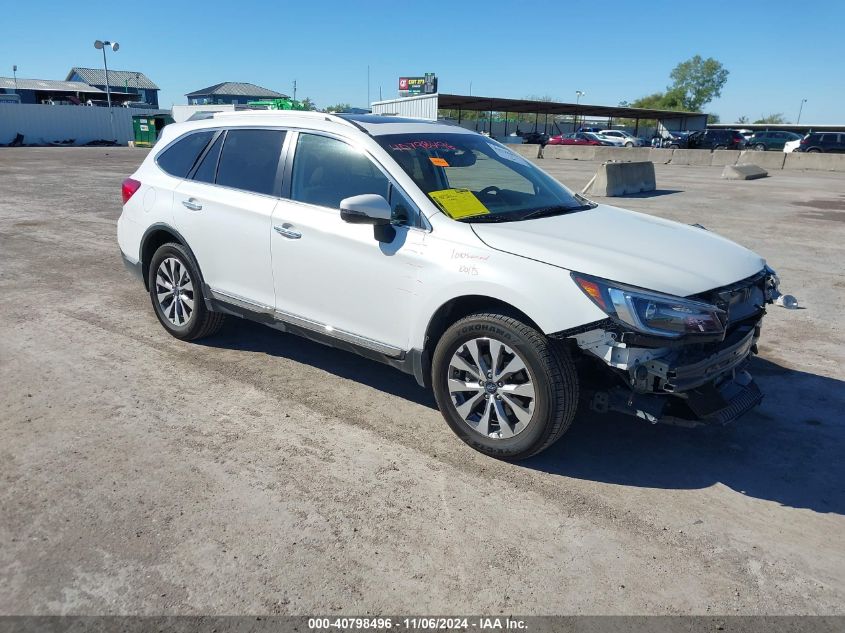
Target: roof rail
x,y
282,113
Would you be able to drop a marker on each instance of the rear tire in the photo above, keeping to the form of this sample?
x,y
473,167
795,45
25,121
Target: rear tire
x,y
176,293
629,144
814,150
721,147
503,387
760,147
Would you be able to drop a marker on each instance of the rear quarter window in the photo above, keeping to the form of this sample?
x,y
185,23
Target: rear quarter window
x,y
178,159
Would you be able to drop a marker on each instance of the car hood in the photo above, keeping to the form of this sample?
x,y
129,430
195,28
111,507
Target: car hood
x,y
628,247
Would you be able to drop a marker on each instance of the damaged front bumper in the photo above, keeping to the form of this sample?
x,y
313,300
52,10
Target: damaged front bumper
x,y
685,385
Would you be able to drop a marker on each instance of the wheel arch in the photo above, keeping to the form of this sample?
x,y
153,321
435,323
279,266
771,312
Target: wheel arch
x,y
458,307
155,236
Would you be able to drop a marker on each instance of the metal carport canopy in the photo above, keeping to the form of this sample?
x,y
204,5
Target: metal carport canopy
x,y
528,106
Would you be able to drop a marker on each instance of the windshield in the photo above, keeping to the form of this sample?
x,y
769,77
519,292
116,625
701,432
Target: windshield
x,y
473,178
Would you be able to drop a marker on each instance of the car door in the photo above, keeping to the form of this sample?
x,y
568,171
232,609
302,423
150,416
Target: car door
x,y
333,276
224,211
827,142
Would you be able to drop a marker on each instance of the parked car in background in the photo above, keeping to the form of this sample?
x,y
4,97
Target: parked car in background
x,y
573,139
603,140
676,139
771,140
746,134
833,142
791,146
534,138
628,139
708,139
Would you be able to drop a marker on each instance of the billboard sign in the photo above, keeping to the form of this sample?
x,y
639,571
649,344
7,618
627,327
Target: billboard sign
x,y
418,85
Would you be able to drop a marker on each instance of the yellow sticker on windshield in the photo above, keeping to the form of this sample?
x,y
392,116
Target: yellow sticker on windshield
x,y
458,203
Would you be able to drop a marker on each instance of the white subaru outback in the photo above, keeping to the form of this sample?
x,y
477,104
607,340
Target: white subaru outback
x,y
446,255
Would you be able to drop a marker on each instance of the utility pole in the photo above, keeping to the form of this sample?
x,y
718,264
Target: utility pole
x,y
800,110
294,89
15,73
368,86
578,95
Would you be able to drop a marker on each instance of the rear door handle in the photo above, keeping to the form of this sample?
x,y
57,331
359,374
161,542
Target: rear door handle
x,y
193,206
291,234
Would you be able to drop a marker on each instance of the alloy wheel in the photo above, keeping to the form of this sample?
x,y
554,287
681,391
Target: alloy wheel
x,y
491,388
174,291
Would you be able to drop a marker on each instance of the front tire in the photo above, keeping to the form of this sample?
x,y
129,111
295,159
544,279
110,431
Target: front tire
x,y
760,147
503,387
176,293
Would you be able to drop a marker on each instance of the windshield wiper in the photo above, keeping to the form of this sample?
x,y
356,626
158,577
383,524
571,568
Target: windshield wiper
x,y
492,217
556,210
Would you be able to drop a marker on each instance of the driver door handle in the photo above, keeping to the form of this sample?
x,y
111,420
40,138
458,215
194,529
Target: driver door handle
x,y
193,206
291,234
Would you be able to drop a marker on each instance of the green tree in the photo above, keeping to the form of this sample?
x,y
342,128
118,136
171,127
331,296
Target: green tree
x,y
712,117
698,81
742,119
339,107
772,118
308,103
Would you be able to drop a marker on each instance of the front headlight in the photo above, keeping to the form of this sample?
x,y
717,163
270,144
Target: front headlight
x,y
652,312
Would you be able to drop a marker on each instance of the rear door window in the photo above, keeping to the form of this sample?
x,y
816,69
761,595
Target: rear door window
x,y
249,160
178,159
207,169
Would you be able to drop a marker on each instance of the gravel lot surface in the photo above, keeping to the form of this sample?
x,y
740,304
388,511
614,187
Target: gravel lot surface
x,y
260,473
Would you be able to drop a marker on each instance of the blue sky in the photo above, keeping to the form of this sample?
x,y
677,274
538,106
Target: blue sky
x,y
777,52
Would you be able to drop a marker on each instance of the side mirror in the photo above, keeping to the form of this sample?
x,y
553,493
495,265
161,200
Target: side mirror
x,y
369,208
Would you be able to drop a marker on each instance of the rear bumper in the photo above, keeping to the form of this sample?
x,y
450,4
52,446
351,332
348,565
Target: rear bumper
x,y
133,267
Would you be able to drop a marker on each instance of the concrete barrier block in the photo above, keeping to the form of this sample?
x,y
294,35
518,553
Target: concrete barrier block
x,y
528,151
701,157
820,161
622,153
621,178
572,152
721,157
743,172
769,160
660,155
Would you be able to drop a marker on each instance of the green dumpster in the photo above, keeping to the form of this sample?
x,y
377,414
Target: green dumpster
x,y
147,128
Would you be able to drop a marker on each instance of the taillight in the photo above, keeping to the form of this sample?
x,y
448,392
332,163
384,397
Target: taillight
x,y
128,189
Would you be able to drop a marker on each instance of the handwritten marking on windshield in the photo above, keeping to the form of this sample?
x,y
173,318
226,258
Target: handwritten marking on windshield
x,y
465,255
428,145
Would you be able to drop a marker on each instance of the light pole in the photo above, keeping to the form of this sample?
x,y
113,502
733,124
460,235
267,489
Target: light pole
x,y
100,45
801,109
578,95
15,74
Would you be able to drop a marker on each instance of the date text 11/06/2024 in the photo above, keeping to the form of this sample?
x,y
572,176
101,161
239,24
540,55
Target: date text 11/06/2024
x,y
417,624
